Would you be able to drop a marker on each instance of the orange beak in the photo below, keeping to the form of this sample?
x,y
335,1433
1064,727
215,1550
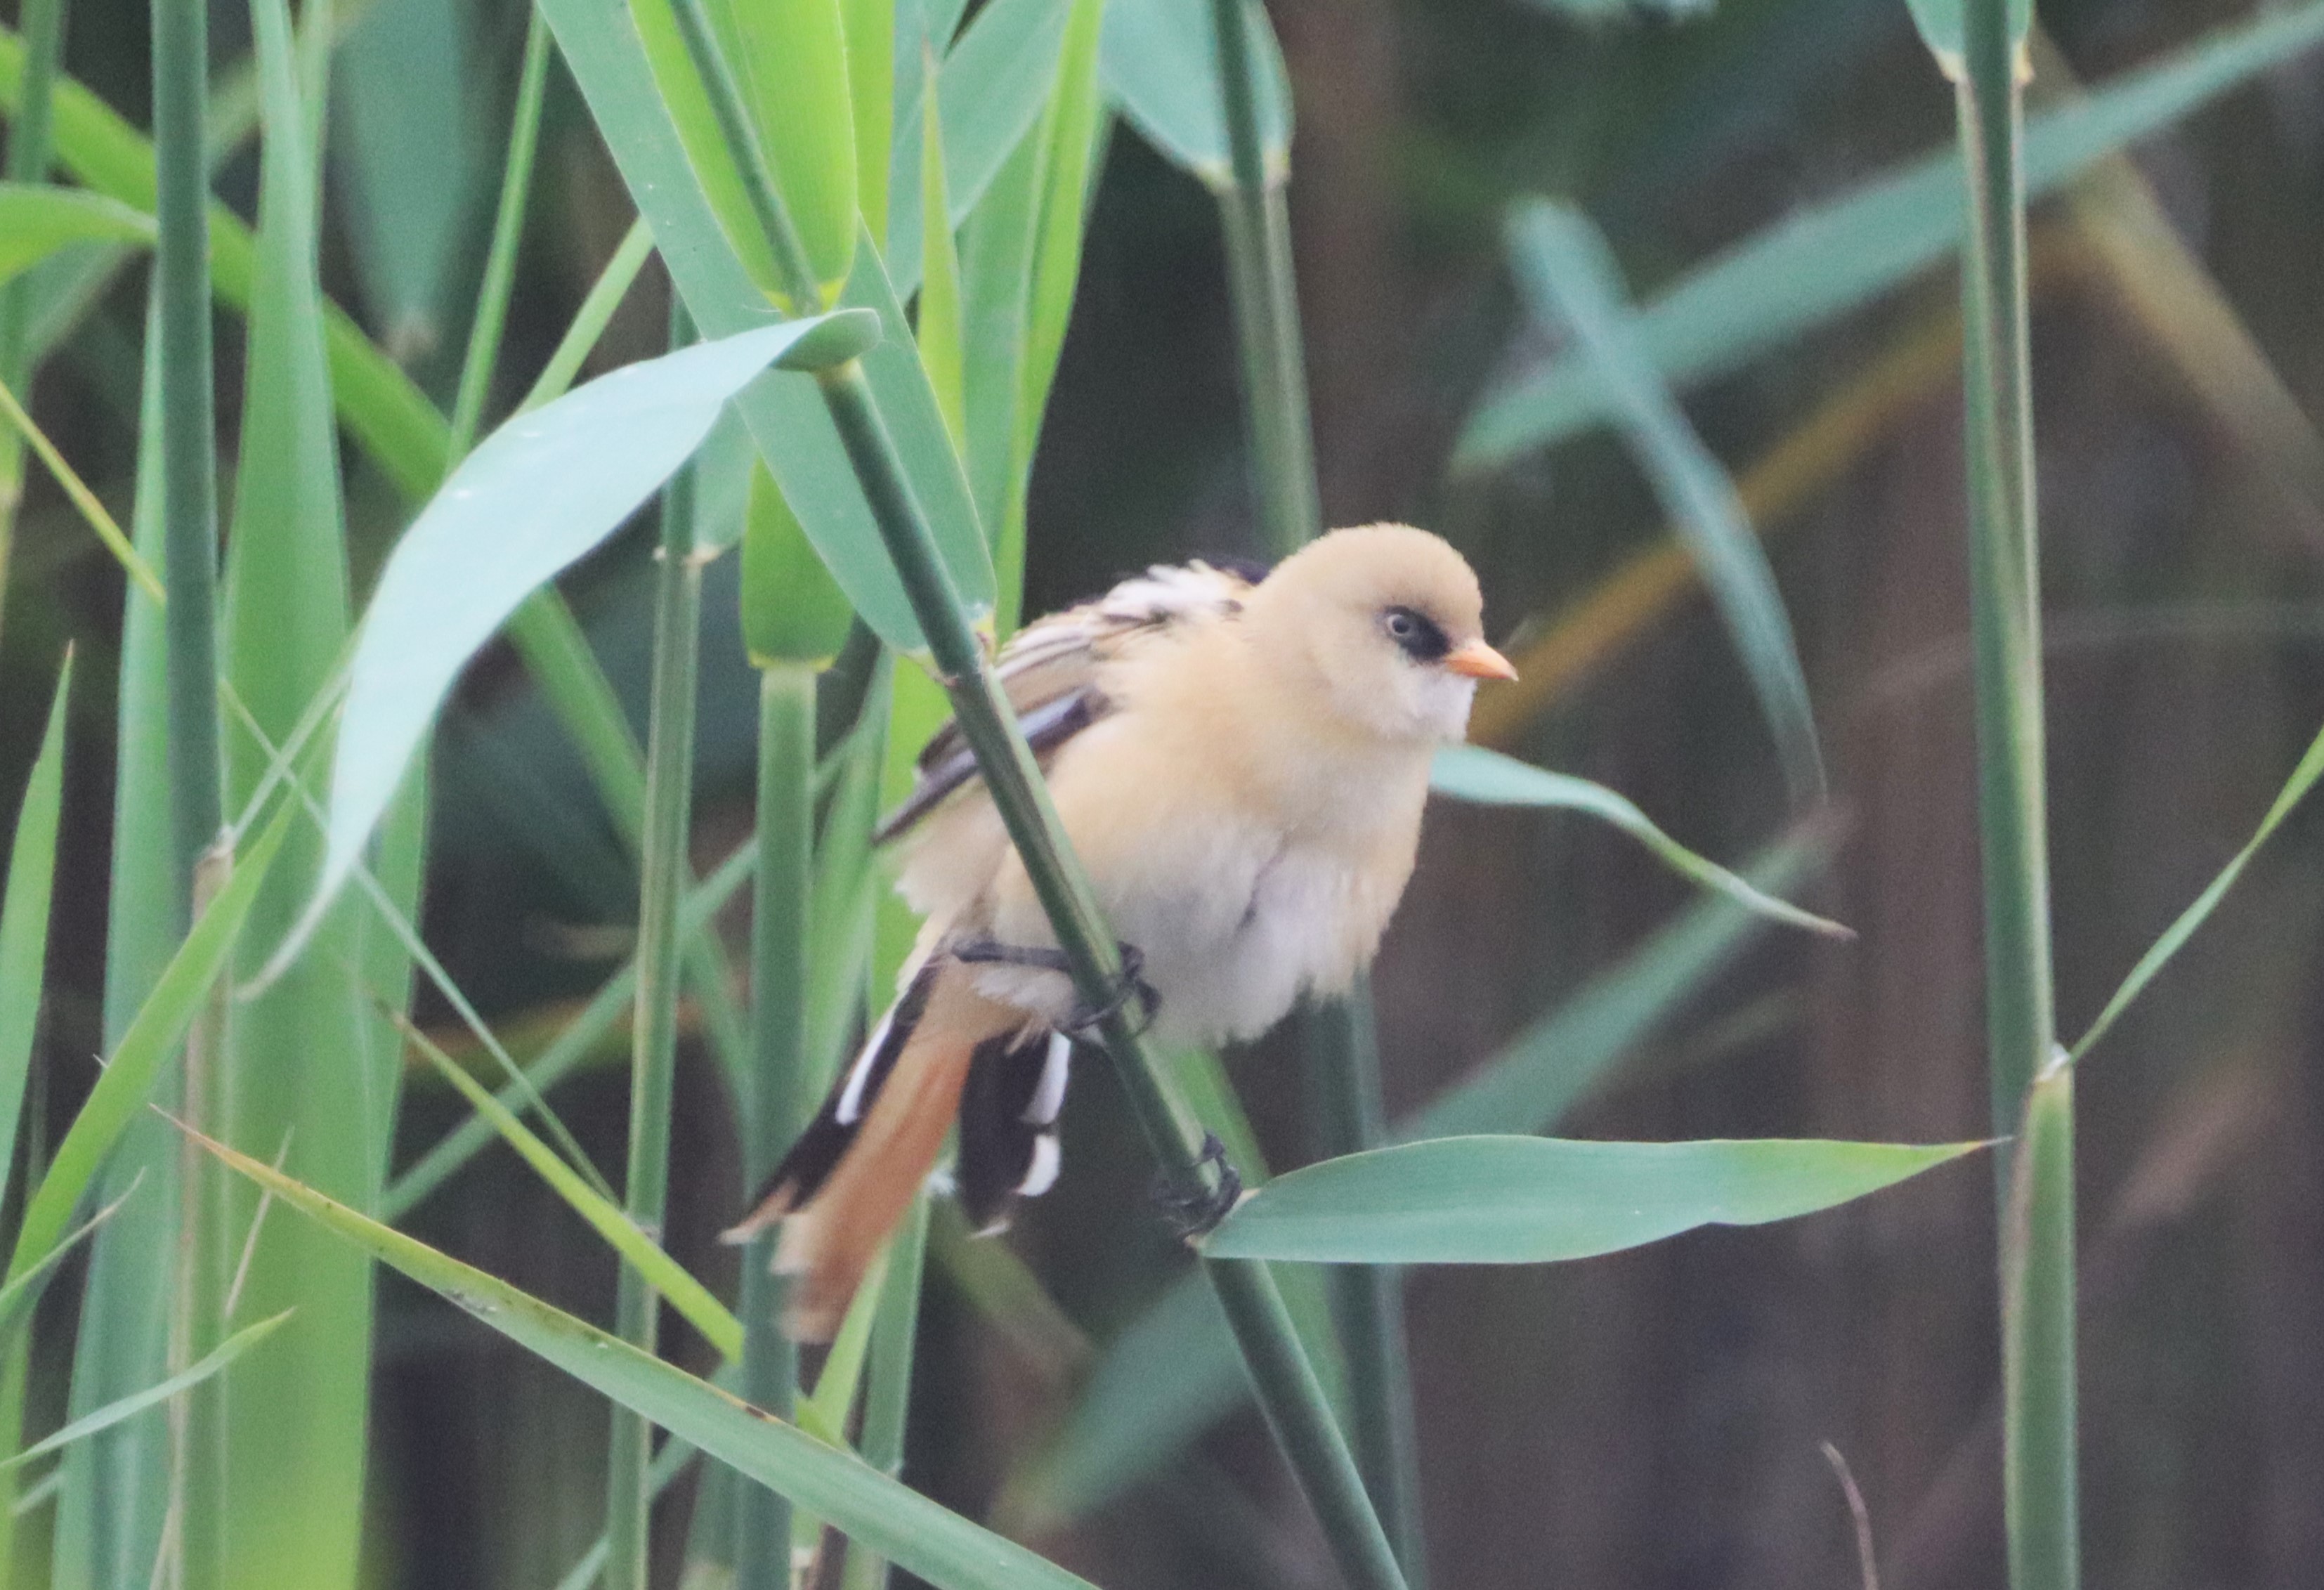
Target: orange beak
x,y
1480,661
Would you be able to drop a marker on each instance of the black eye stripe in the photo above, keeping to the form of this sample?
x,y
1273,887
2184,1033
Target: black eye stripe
x,y
1421,638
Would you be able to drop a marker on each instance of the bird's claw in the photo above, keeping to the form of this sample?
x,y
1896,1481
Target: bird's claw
x,y
1192,1208
1083,1019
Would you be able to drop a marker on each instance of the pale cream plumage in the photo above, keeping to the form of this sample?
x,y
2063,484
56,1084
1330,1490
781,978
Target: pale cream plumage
x,y
1240,768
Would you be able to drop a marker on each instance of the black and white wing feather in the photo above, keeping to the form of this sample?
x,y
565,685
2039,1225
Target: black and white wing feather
x,y
1050,670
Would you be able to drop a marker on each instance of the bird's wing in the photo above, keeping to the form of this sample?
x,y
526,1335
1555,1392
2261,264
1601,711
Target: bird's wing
x,y
1050,670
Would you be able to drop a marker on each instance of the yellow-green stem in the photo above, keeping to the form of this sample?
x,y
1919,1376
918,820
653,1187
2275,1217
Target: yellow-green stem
x,y
662,865
776,1105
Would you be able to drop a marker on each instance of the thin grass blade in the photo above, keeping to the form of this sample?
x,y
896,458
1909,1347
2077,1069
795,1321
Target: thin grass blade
x,y
103,1418
939,1545
25,915
1571,283
1486,778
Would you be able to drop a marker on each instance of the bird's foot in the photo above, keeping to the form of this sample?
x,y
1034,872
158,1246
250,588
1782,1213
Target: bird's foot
x,y
1084,1019
1192,1208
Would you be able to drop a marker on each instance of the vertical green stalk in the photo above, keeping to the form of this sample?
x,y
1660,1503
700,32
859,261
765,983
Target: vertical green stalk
x,y
1258,227
1343,1086
41,24
1981,45
776,1107
888,1375
1284,1380
499,263
189,427
1346,1116
670,790
2037,1314
180,33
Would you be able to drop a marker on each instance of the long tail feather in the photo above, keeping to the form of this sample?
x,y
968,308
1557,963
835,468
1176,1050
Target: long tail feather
x,y
855,1170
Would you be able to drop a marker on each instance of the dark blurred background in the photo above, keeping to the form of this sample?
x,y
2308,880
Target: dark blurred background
x,y
1654,1419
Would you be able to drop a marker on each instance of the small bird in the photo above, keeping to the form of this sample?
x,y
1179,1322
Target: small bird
x,y
1239,763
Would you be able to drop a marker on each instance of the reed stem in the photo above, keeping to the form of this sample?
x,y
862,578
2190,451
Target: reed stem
x,y
775,1109
662,863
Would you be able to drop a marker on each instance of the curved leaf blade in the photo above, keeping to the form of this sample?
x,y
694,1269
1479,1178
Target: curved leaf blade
x,y
1526,1200
917,1534
1486,778
1159,59
36,220
534,497
24,915
130,1407
1569,280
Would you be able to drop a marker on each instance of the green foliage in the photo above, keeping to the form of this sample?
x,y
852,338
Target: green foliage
x,y
1487,777
25,915
36,222
543,491
790,61
939,1545
1822,261
1160,65
1523,1201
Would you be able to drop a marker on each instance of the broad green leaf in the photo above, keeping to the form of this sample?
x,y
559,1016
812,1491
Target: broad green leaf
x,y
793,611
1174,1371
535,496
1571,282
793,429
2174,938
689,1296
1160,63
790,59
925,1538
993,84
1526,1200
1943,24
408,153
37,220
937,330
150,1041
1486,778
130,1407
1818,263
25,915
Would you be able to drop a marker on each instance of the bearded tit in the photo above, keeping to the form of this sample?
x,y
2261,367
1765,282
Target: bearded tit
x,y
1241,763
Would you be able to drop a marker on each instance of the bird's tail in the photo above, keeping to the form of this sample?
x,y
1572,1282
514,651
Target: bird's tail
x,y
856,1167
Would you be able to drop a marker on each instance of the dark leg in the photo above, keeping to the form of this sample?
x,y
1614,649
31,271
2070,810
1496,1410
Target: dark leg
x,y
1194,1208
1083,1019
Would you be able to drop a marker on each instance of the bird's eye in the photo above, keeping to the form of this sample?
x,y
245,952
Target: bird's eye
x,y
1415,635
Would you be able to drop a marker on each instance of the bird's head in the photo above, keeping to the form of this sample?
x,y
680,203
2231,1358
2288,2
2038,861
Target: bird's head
x,y
1387,625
